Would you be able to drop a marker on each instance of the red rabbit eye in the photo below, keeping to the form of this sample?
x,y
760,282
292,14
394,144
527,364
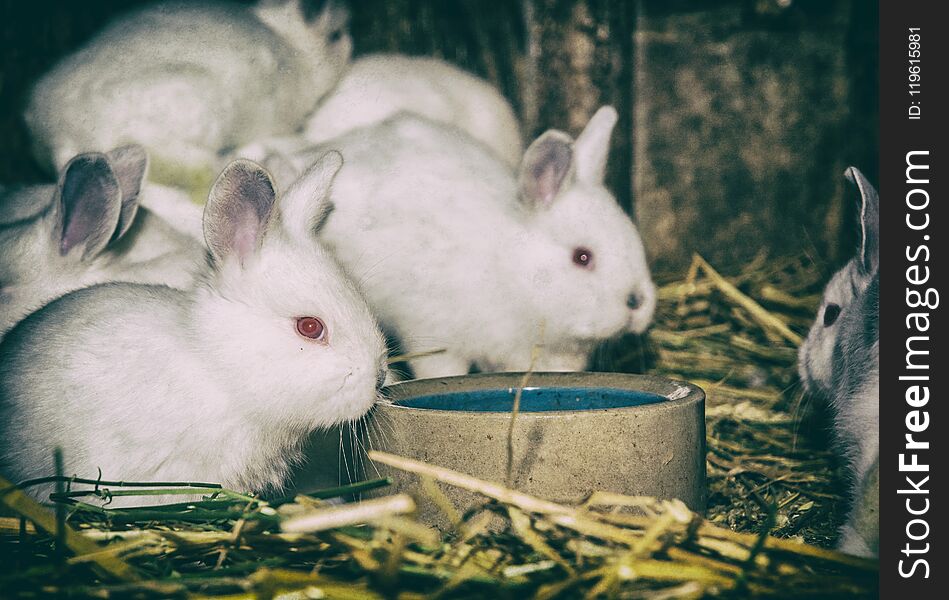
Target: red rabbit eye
x,y
583,257
311,327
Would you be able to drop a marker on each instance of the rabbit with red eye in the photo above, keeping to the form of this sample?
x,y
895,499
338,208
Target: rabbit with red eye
x,y
221,383
453,251
840,361
190,79
86,229
379,86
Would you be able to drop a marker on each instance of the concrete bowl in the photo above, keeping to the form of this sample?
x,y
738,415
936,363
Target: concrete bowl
x,y
575,433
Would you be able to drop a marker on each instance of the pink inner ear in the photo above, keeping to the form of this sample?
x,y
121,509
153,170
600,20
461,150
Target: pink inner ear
x,y
80,228
547,164
246,230
548,183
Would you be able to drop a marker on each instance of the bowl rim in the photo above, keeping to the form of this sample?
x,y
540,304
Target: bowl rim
x,y
677,393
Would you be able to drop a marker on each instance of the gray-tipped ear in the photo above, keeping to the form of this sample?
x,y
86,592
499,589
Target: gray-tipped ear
x,y
547,165
869,221
593,145
129,163
306,206
239,208
88,202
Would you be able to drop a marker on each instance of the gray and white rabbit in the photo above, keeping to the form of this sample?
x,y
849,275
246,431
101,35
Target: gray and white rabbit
x,y
455,251
188,80
221,383
86,229
840,360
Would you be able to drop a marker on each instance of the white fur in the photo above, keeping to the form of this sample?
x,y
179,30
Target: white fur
x,y
188,80
33,271
214,384
379,86
815,360
176,208
430,225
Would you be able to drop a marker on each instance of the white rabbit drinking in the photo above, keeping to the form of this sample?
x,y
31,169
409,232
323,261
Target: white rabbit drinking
x,y
840,360
86,229
189,80
221,383
453,251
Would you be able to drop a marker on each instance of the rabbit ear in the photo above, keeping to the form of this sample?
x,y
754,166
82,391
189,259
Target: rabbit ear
x,y
88,203
869,221
129,163
546,166
593,146
239,207
281,167
306,205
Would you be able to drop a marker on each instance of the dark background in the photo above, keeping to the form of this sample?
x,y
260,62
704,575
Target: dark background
x,y
737,118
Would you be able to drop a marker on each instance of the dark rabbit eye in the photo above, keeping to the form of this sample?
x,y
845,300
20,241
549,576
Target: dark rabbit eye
x,y
312,328
830,314
336,35
583,257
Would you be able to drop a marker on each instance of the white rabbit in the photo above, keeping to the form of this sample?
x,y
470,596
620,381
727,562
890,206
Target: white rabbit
x,y
87,229
454,251
221,383
188,80
379,86
840,360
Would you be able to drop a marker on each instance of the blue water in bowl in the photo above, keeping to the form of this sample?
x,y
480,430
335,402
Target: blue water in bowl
x,y
534,399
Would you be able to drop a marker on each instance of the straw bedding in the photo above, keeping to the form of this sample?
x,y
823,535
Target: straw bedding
x,y
775,498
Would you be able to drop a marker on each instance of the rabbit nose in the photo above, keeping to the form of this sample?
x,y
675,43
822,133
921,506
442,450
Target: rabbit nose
x,y
634,301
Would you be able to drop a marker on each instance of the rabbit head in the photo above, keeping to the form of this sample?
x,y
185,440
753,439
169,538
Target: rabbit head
x,y
317,29
57,249
274,293
817,356
587,261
